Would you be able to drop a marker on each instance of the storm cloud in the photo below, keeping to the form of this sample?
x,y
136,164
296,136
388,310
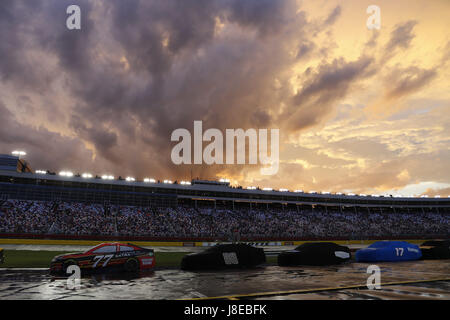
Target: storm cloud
x,y
106,98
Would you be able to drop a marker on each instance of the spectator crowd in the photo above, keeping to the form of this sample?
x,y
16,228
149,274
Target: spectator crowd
x,y
186,221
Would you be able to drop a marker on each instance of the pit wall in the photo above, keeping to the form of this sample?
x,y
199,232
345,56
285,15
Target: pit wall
x,y
178,243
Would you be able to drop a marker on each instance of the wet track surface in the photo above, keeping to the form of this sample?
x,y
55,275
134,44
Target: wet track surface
x,y
439,290
178,284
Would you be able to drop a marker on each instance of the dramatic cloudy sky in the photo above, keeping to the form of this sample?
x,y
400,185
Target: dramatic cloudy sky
x,y
358,110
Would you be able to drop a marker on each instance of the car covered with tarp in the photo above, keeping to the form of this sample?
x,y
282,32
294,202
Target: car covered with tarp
x,y
389,251
435,249
315,254
224,256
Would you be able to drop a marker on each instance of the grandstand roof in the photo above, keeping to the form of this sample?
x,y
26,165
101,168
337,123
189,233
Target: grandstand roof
x,y
215,191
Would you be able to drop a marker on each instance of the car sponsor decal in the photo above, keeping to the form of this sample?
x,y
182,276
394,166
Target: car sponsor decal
x,y
342,254
105,259
230,258
146,261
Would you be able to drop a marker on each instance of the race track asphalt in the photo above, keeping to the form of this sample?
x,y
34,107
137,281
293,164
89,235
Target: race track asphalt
x,y
401,280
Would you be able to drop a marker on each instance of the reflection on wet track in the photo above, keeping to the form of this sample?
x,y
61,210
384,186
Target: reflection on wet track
x,y
439,290
178,284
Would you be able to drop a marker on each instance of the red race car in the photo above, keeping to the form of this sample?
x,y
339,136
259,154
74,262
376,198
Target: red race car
x,y
106,256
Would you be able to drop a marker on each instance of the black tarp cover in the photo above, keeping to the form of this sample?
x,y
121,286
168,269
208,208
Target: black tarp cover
x,y
435,249
224,256
315,254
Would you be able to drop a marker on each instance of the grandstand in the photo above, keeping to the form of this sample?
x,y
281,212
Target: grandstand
x,y
49,205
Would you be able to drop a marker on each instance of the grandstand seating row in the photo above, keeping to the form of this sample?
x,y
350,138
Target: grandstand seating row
x,y
205,221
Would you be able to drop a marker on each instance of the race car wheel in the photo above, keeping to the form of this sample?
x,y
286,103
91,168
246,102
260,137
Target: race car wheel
x,y
132,265
69,263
